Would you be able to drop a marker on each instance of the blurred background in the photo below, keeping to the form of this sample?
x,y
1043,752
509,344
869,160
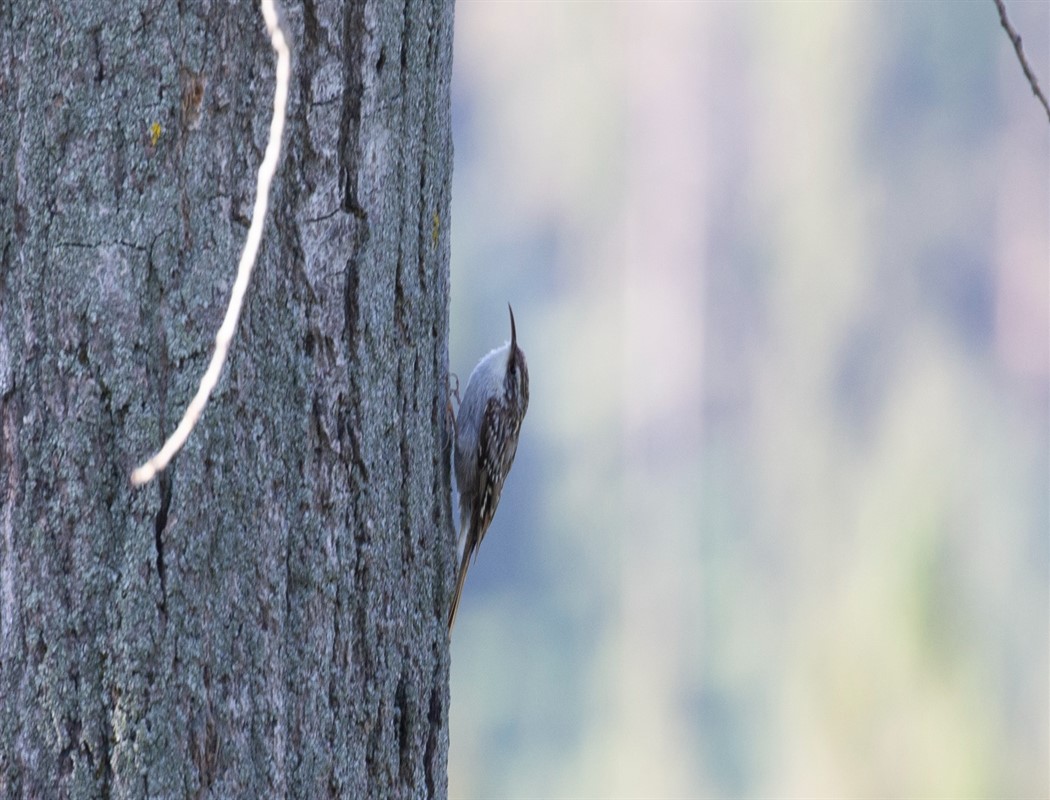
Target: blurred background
x,y
778,525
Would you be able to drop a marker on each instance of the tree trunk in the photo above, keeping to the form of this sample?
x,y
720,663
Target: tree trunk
x,y
268,617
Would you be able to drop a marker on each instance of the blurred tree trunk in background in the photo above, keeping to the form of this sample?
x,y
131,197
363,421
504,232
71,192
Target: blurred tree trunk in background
x,y
268,617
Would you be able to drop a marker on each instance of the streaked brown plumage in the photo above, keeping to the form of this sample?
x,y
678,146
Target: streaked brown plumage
x,y
487,428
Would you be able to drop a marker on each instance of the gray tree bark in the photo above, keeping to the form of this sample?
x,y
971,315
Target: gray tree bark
x,y
268,618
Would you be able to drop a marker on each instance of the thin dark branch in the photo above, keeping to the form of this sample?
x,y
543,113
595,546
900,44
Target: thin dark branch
x,y
1015,37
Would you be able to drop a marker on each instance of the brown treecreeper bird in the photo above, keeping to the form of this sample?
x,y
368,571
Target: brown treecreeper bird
x,y
487,427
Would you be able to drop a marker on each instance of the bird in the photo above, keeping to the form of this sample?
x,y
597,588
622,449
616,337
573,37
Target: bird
x,y
487,427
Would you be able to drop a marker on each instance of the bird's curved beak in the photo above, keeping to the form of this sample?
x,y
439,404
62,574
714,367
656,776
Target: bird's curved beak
x,y
513,330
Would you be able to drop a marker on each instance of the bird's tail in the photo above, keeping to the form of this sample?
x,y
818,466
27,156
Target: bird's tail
x,y
460,576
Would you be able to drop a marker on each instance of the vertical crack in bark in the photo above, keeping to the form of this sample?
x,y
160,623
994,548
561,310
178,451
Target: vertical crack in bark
x,y
354,35
429,223
9,583
400,302
105,763
405,450
404,729
349,157
435,723
160,525
311,28
405,511
337,670
65,757
406,15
